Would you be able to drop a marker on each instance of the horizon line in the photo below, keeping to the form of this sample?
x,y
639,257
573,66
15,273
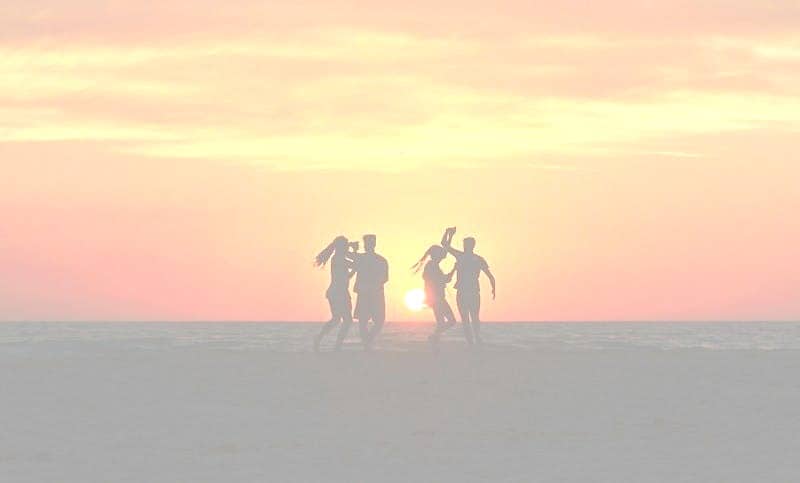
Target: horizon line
x,y
566,321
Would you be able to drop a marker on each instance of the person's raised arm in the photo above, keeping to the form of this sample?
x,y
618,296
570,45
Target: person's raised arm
x,y
447,237
447,241
352,252
453,251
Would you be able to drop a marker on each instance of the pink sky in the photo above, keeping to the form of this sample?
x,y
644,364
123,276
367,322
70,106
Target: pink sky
x,y
616,160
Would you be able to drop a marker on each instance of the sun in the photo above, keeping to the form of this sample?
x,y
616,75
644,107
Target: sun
x,y
415,300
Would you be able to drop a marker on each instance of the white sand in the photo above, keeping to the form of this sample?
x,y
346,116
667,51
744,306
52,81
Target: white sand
x,y
185,415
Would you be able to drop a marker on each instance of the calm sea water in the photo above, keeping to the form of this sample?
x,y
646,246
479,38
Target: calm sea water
x,y
296,337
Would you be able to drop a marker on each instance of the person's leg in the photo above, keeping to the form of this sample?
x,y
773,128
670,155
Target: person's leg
x,y
448,315
375,331
363,330
347,321
343,330
378,317
437,331
475,317
326,328
463,310
363,320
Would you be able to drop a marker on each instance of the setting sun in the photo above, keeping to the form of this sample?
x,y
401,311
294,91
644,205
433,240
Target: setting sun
x,y
415,300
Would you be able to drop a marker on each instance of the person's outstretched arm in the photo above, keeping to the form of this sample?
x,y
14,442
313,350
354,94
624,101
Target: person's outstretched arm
x,y
385,271
449,277
447,241
488,273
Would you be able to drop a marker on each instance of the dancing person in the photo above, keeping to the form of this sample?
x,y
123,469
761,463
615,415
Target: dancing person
x,y
435,283
338,293
372,274
469,266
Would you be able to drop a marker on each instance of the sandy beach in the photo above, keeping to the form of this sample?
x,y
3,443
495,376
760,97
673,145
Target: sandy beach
x,y
201,415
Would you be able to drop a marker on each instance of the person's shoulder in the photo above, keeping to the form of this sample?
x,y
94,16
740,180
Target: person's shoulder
x,y
381,258
482,261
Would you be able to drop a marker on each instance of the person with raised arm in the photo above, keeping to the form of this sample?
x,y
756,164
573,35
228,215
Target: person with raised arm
x,y
338,293
435,284
469,266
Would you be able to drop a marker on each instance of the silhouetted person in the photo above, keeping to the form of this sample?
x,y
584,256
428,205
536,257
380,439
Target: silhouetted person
x,y
338,293
372,274
435,283
469,266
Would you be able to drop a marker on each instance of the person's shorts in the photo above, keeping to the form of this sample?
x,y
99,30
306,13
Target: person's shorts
x,y
371,306
341,304
468,300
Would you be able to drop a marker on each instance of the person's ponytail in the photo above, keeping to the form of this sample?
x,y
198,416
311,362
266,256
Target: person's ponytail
x,y
418,266
322,257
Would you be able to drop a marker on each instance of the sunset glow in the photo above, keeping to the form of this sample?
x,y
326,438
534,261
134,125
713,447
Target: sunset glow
x,y
619,160
415,300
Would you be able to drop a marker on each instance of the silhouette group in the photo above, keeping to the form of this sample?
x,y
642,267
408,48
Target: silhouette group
x,y
371,271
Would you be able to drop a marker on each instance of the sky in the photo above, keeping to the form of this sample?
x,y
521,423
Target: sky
x,y
616,160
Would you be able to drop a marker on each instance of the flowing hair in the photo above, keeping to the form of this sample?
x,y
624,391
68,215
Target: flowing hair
x,y
322,257
418,266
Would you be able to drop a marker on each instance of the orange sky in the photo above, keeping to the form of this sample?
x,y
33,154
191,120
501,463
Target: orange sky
x,y
621,160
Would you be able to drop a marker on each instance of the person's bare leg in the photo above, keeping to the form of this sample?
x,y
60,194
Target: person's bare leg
x,y
476,321
465,320
476,330
444,320
374,332
438,314
449,316
378,319
325,330
363,331
343,330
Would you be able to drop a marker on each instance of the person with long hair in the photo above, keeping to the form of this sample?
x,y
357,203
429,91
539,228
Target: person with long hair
x,y
435,297
338,293
469,266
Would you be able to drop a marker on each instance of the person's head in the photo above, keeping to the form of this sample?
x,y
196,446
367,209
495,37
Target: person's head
x,y
436,253
469,245
370,241
338,245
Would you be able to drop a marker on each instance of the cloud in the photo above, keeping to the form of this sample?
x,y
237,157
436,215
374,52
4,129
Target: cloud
x,y
152,21
335,87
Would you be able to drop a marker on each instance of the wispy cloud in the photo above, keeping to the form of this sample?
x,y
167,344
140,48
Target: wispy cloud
x,y
364,89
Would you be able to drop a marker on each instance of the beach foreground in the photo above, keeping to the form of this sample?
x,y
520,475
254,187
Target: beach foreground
x,y
212,415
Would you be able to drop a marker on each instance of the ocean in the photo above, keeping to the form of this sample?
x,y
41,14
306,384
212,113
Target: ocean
x,y
402,337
